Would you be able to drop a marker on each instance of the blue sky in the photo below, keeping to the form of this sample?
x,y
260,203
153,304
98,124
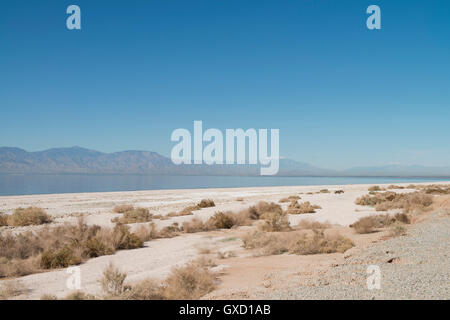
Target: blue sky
x,y
341,95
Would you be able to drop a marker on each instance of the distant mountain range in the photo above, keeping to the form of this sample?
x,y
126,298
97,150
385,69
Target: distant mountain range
x,y
84,161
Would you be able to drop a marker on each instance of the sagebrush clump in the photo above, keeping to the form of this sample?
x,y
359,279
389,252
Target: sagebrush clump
x,y
370,224
135,215
301,208
61,246
206,203
25,217
297,242
390,200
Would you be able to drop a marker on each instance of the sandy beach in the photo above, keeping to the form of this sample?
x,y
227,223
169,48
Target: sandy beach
x,y
242,276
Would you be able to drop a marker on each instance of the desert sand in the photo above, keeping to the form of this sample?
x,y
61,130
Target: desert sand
x,y
242,276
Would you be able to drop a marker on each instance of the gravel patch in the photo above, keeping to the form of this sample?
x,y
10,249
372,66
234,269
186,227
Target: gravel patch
x,y
414,266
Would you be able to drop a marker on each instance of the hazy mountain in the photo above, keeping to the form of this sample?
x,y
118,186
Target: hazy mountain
x,y
81,160
399,171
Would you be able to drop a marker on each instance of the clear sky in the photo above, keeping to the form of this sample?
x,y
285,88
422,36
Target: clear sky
x,y
341,95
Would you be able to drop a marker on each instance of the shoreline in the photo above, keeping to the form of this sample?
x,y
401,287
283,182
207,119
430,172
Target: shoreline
x,y
169,190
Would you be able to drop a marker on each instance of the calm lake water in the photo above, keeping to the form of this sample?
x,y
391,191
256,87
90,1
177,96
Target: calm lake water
x,y
15,184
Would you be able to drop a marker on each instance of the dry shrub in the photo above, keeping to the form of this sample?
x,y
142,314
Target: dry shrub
x,y
301,208
220,220
310,224
257,212
296,242
391,200
403,218
267,243
47,296
148,289
136,215
321,243
372,223
223,220
339,191
195,225
393,186
122,238
61,258
123,208
79,295
397,229
324,191
147,232
206,203
375,188
180,214
3,219
289,199
189,282
239,199
61,246
27,217
437,189
275,221
188,210
376,198
112,281
170,231
407,202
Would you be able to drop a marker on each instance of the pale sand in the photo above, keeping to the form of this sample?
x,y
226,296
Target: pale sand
x,y
158,257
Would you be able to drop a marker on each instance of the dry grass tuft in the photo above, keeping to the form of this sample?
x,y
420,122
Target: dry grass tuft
x,y
60,247
321,243
298,242
310,224
397,229
339,191
148,289
189,282
3,220
437,189
223,220
79,295
391,200
112,281
123,208
393,186
275,221
370,224
301,208
206,203
25,217
170,231
136,215
195,225
289,199
180,214
257,212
